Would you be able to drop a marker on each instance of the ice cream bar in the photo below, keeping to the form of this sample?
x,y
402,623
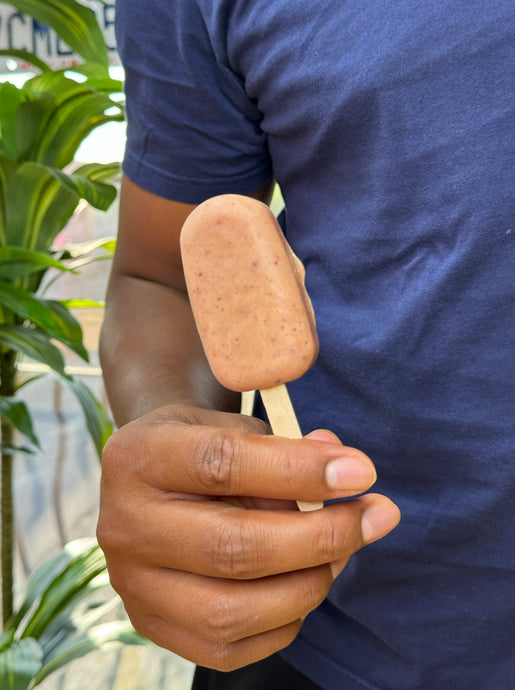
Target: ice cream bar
x,y
253,314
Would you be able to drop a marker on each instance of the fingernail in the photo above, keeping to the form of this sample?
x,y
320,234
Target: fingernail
x,y
379,519
349,473
324,435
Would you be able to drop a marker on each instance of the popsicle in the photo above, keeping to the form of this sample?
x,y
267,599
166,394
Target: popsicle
x,y
252,311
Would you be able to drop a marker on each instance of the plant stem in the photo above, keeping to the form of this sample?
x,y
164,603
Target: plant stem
x,y
7,378
7,509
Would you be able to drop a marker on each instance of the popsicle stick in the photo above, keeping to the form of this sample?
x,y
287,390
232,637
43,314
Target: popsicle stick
x,y
283,421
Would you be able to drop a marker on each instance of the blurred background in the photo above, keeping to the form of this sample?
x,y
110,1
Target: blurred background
x,y
56,489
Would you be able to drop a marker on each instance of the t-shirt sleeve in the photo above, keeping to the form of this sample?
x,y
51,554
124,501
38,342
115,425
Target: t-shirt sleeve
x,y
192,131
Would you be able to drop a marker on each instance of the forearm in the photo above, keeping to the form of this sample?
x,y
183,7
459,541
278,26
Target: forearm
x,y
151,354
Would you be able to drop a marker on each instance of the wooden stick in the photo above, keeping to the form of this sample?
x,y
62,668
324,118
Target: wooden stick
x,y
284,422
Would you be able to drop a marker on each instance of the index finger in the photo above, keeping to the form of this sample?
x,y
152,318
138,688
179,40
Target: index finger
x,y
216,461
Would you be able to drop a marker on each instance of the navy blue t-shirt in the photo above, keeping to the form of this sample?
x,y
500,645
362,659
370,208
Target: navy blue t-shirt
x,y
389,126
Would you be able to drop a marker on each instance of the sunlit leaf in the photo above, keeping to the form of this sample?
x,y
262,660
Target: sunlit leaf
x,y
77,619
29,193
80,249
97,193
25,56
42,578
101,636
42,199
75,24
75,110
82,303
67,586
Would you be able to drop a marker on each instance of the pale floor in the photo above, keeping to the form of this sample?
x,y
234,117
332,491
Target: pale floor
x,y
57,491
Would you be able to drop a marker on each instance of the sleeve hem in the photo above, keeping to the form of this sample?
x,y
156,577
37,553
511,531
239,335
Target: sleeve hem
x,y
187,190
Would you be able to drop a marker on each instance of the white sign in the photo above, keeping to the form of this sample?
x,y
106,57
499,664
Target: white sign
x,y
22,32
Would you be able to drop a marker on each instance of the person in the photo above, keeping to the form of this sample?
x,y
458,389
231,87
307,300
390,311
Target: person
x,y
388,127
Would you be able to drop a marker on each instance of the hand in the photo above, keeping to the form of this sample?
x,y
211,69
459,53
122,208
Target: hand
x,y
202,537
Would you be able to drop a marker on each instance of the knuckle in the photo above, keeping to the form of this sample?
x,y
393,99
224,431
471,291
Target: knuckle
x,y
221,621
331,540
108,537
316,588
224,657
218,461
119,583
111,453
141,623
120,457
232,552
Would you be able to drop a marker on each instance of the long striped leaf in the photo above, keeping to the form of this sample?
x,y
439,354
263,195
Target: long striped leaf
x,y
101,636
77,250
50,316
98,194
75,24
42,578
28,196
18,261
82,617
66,587
73,111
26,57
34,344
97,421
11,99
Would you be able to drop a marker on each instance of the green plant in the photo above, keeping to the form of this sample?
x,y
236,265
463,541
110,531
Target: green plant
x,y
42,124
59,618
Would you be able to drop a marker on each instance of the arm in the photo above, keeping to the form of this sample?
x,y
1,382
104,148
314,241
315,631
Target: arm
x,y
197,518
150,350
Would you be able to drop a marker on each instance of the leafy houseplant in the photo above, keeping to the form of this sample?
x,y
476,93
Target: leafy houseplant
x,y
42,124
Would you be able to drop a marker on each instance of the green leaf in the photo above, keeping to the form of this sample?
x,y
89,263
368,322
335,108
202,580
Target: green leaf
x,y
25,56
41,199
50,316
11,99
99,194
68,326
75,109
100,637
17,413
34,344
100,172
97,77
42,578
77,620
19,663
35,206
97,422
6,639
10,449
69,586
82,303
26,381
79,249
18,261
75,24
